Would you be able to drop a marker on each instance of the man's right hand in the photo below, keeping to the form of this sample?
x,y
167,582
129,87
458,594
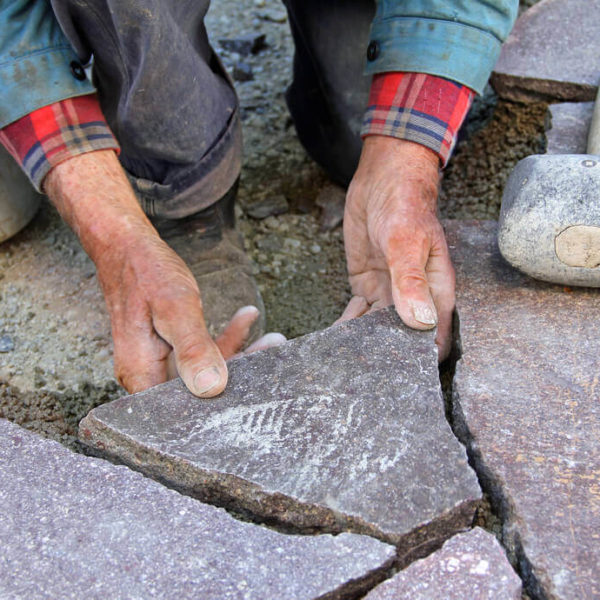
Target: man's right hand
x,y
152,297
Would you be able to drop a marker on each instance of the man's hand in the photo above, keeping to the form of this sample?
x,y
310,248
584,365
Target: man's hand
x,y
152,298
395,245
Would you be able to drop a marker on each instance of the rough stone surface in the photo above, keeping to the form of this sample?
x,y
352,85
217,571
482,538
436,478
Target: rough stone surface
x,y
343,429
545,196
569,127
527,403
78,527
469,565
551,53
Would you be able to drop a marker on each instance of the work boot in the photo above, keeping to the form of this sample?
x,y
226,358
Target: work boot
x,y
214,252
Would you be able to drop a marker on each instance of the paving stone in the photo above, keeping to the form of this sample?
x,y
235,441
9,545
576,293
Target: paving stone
x,y
570,124
469,565
78,527
343,429
551,53
527,402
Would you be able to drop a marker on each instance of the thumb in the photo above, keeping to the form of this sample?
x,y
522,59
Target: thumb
x,y
410,287
198,359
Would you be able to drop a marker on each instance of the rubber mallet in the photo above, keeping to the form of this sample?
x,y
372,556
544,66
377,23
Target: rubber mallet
x,y
549,225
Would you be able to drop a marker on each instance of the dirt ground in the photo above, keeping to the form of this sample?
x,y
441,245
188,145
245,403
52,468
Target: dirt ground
x,y
55,348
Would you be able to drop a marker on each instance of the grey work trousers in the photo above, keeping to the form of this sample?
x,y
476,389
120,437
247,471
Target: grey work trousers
x,y
174,110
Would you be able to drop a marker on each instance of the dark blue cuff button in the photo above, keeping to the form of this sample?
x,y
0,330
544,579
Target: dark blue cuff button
x,y
77,70
373,51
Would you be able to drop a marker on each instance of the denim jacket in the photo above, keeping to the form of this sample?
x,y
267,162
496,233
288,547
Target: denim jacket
x,y
456,39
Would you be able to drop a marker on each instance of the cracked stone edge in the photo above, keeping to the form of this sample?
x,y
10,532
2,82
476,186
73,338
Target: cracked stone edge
x,y
278,511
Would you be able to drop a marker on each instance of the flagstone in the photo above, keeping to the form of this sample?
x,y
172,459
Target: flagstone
x,y
570,124
527,404
343,429
76,527
469,565
551,54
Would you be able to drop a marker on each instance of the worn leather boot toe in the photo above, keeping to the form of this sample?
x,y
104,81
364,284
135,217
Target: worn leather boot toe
x,y
214,252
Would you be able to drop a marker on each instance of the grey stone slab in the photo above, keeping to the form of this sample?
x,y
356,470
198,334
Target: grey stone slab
x,y
469,565
569,127
343,429
78,527
527,402
552,53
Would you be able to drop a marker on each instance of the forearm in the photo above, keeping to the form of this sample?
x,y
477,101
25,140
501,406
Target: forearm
x,y
93,195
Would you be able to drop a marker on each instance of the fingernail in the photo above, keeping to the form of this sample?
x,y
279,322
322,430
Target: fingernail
x,y
206,380
246,309
423,313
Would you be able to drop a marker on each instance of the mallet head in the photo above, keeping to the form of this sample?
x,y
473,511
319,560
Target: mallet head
x,y
549,224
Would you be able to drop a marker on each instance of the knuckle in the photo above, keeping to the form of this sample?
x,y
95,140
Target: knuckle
x,y
173,299
411,278
189,349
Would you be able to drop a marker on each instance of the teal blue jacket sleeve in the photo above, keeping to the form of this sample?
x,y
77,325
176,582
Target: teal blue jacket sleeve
x,y
456,39
35,60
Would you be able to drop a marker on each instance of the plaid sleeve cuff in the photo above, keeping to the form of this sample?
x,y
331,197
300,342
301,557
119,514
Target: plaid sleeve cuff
x,y
52,134
417,107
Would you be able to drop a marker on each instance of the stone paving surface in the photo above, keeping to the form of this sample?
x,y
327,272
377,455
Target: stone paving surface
x,y
527,402
570,124
468,566
551,53
340,429
77,527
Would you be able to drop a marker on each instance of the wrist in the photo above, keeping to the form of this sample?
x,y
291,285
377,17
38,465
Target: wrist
x,y
93,195
397,148
389,166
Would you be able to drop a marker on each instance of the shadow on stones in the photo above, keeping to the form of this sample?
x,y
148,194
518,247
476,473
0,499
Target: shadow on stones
x,y
492,514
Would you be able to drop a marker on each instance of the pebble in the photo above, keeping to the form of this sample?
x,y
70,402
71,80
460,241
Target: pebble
x,y
6,344
243,72
267,207
245,44
292,243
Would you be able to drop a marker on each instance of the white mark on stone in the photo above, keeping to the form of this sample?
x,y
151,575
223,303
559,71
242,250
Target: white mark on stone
x,y
481,568
452,565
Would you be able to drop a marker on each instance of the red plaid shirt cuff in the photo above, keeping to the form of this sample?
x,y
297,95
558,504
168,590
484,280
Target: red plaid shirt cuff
x,y
52,134
421,108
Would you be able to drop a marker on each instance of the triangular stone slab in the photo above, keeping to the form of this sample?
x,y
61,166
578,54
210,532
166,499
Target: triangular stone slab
x,y
343,429
78,527
469,565
552,53
569,127
527,402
